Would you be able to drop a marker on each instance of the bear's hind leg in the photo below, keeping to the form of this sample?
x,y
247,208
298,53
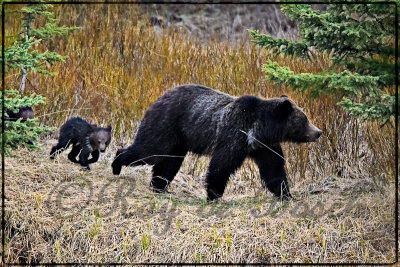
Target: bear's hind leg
x,y
221,167
117,163
164,172
131,156
60,147
74,152
272,170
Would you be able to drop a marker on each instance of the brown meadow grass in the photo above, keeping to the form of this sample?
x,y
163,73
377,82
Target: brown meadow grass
x,y
118,64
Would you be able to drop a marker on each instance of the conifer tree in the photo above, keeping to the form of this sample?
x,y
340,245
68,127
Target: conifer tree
x,y
360,39
21,54
38,25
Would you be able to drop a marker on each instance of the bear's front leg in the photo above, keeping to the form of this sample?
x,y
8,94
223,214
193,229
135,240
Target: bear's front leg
x,y
272,170
95,157
223,163
83,158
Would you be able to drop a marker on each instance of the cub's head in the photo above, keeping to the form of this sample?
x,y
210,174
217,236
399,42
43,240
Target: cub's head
x,y
294,124
100,138
26,113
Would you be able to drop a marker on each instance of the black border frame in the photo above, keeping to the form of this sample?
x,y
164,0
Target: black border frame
x,y
396,22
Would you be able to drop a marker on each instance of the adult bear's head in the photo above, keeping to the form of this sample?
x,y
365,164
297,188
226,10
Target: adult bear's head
x,y
293,123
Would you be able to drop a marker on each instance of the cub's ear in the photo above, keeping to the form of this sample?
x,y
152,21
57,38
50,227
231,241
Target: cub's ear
x,y
93,126
109,128
284,96
285,108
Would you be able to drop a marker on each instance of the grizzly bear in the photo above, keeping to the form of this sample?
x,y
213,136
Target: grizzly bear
x,y
23,113
85,138
204,121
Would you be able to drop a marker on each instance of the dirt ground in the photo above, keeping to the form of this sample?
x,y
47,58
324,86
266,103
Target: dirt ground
x,y
224,21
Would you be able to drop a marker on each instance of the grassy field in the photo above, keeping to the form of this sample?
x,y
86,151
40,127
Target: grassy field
x,y
117,65
58,213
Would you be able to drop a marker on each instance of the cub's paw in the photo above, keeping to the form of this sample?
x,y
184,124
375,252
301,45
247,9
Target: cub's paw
x,y
85,168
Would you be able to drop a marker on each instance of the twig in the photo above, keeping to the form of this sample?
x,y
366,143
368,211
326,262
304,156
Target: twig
x,y
263,144
47,114
274,150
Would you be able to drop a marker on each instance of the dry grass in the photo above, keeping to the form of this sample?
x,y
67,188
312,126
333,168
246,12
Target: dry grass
x,y
118,65
58,213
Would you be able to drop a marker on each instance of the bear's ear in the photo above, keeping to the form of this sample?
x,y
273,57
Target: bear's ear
x,y
93,126
284,96
109,128
285,108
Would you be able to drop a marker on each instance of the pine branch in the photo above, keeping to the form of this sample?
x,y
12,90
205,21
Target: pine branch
x,y
359,38
346,82
278,46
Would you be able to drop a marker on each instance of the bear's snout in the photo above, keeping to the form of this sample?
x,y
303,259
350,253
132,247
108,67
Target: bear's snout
x,y
314,133
102,147
319,133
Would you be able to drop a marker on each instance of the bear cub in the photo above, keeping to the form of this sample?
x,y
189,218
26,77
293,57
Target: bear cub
x,y
85,138
24,113
229,129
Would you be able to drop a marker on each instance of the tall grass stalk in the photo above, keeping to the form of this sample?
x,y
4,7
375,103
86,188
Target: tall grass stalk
x,y
118,65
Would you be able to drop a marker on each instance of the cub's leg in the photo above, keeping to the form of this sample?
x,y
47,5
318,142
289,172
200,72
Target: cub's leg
x,y
95,156
60,147
83,157
74,152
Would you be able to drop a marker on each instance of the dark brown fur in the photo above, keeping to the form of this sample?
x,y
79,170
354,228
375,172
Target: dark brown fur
x,y
86,139
23,113
207,122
